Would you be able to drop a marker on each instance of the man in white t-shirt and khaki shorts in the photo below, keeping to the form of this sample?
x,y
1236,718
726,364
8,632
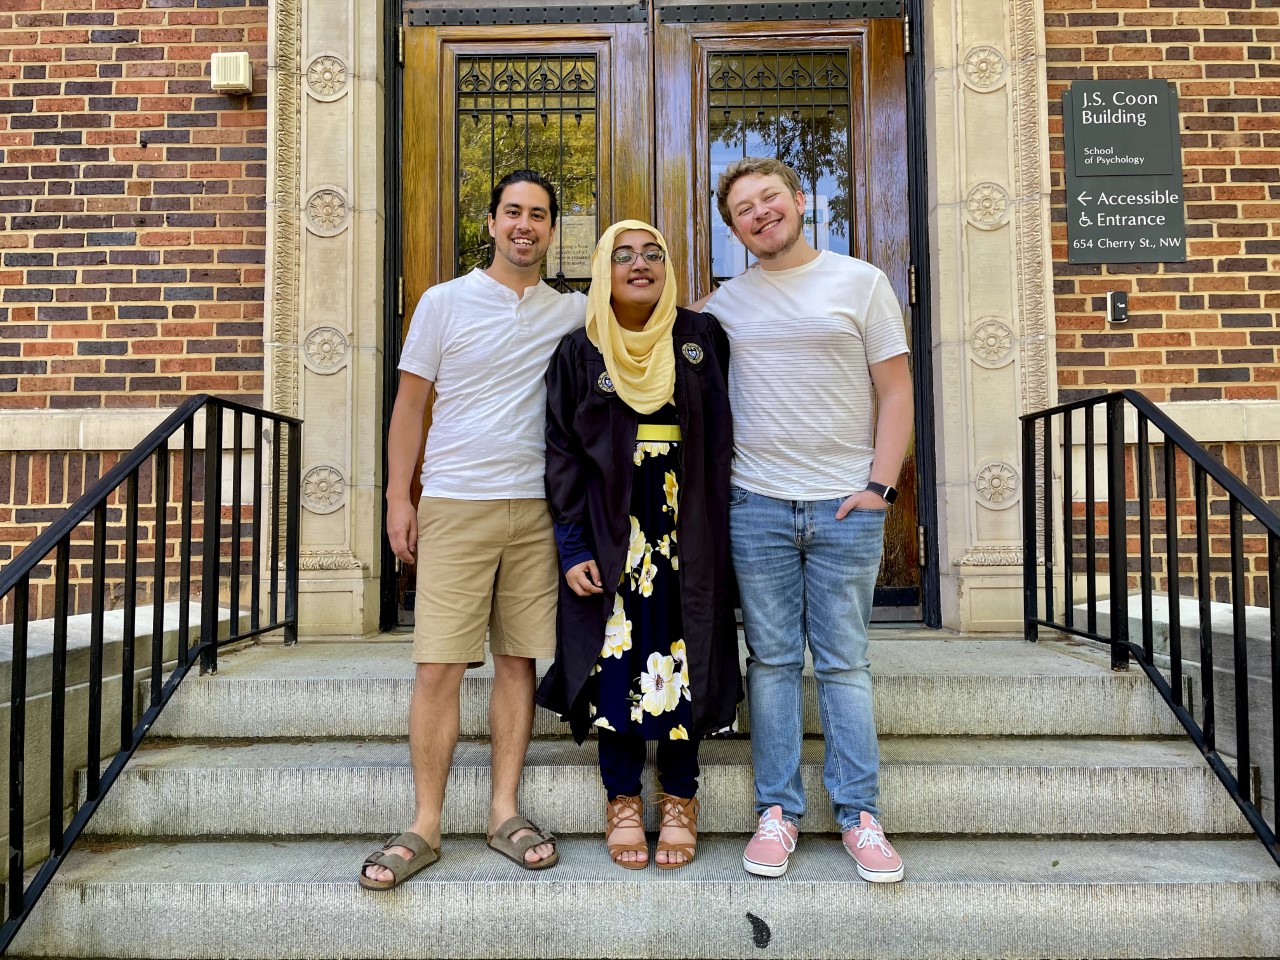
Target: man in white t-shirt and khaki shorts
x,y
481,536
814,337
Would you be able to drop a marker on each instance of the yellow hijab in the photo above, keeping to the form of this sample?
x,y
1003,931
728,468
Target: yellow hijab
x,y
641,363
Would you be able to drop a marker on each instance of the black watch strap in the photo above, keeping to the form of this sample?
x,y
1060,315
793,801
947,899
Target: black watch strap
x,y
886,493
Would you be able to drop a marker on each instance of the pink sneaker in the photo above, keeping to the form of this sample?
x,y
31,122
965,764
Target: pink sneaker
x,y
876,859
770,849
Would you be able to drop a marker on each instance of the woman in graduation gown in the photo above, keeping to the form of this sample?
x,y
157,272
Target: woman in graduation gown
x,y
638,448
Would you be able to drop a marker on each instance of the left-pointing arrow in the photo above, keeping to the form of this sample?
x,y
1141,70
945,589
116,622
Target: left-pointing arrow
x,y
1084,197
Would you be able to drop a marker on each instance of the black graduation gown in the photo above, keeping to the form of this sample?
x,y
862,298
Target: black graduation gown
x,y
591,437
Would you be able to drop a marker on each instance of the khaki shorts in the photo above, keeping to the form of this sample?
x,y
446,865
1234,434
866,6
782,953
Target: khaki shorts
x,y
484,563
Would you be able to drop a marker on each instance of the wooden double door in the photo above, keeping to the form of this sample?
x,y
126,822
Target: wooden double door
x,y
635,115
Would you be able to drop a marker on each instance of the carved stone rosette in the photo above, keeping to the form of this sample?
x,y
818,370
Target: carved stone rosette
x,y
324,488
326,77
327,211
997,484
987,205
985,68
992,343
324,350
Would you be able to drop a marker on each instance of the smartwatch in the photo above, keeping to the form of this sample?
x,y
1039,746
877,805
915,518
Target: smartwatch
x,y
886,493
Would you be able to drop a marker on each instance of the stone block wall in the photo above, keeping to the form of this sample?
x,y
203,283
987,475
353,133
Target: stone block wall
x,y
1205,329
132,203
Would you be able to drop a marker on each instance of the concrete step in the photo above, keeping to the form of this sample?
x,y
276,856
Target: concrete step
x,y
972,898
942,785
923,687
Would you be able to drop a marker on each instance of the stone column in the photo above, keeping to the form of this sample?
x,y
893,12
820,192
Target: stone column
x,y
991,284
324,317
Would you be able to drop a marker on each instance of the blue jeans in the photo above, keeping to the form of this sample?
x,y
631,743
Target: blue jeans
x,y
806,577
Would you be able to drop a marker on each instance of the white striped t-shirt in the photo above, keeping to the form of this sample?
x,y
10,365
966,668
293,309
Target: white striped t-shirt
x,y
801,341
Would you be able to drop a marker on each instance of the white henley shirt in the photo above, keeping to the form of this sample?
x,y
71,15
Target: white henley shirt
x,y
487,349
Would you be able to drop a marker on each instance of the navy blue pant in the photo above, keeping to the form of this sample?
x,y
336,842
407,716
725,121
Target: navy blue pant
x,y
622,760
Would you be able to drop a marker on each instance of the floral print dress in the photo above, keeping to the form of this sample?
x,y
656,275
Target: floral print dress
x,y
640,685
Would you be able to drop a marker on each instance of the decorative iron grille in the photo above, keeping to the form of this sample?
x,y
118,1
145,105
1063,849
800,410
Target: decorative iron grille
x,y
793,105
534,112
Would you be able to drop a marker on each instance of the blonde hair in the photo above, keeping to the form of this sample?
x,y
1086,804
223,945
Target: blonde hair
x,y
752,166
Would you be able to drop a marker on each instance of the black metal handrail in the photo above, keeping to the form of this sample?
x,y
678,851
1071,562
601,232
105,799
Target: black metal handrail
x,y
1039,566
16,579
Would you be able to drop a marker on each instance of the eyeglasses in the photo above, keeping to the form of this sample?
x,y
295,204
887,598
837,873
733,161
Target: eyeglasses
x,y
626,255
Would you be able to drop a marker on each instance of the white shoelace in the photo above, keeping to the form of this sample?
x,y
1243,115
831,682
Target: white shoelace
x,y
873,836
772,829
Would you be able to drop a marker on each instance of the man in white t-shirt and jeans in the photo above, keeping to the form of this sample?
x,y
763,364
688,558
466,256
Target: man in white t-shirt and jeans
x,y
814,336
481,536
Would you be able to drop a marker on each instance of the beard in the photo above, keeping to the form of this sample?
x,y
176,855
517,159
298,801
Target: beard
x,y
519,256
789,239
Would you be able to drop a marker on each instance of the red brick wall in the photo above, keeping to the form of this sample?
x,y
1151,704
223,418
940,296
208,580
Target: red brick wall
x,y
37,488
1257,464
1205,329
132,203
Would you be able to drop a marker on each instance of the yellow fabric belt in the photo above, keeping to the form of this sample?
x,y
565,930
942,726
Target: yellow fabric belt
x,y
658,432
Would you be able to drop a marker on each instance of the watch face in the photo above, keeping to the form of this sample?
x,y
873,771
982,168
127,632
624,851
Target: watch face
x,y
886,493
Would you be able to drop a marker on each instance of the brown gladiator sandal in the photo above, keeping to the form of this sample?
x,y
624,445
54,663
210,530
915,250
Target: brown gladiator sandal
x,y
625,812
678,812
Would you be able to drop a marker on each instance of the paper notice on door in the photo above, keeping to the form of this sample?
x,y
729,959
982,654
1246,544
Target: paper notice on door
x,y
571,250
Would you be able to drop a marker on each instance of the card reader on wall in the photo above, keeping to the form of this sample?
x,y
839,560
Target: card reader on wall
x,y
1117,306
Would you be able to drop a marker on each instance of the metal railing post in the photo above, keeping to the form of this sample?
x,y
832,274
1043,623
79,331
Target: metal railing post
x,y
17,746
1204,591
211,554
127,649
58,695
1172,530
237,477
158,574
186,510
1117,554
98,601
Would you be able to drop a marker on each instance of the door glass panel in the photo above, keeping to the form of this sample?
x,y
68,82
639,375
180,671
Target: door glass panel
x,y
792,105
537,112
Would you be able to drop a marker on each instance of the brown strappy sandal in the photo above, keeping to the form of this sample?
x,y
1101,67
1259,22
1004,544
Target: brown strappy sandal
x,y
678,812
625,812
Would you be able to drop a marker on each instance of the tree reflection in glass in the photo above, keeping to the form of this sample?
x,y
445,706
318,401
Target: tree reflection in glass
x,y
534,112
792,105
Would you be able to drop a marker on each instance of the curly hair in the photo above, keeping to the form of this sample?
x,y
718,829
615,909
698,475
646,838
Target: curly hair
x,y
752,166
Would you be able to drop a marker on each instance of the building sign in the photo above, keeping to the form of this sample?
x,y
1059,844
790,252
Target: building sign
x,y
1123,172
571,250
